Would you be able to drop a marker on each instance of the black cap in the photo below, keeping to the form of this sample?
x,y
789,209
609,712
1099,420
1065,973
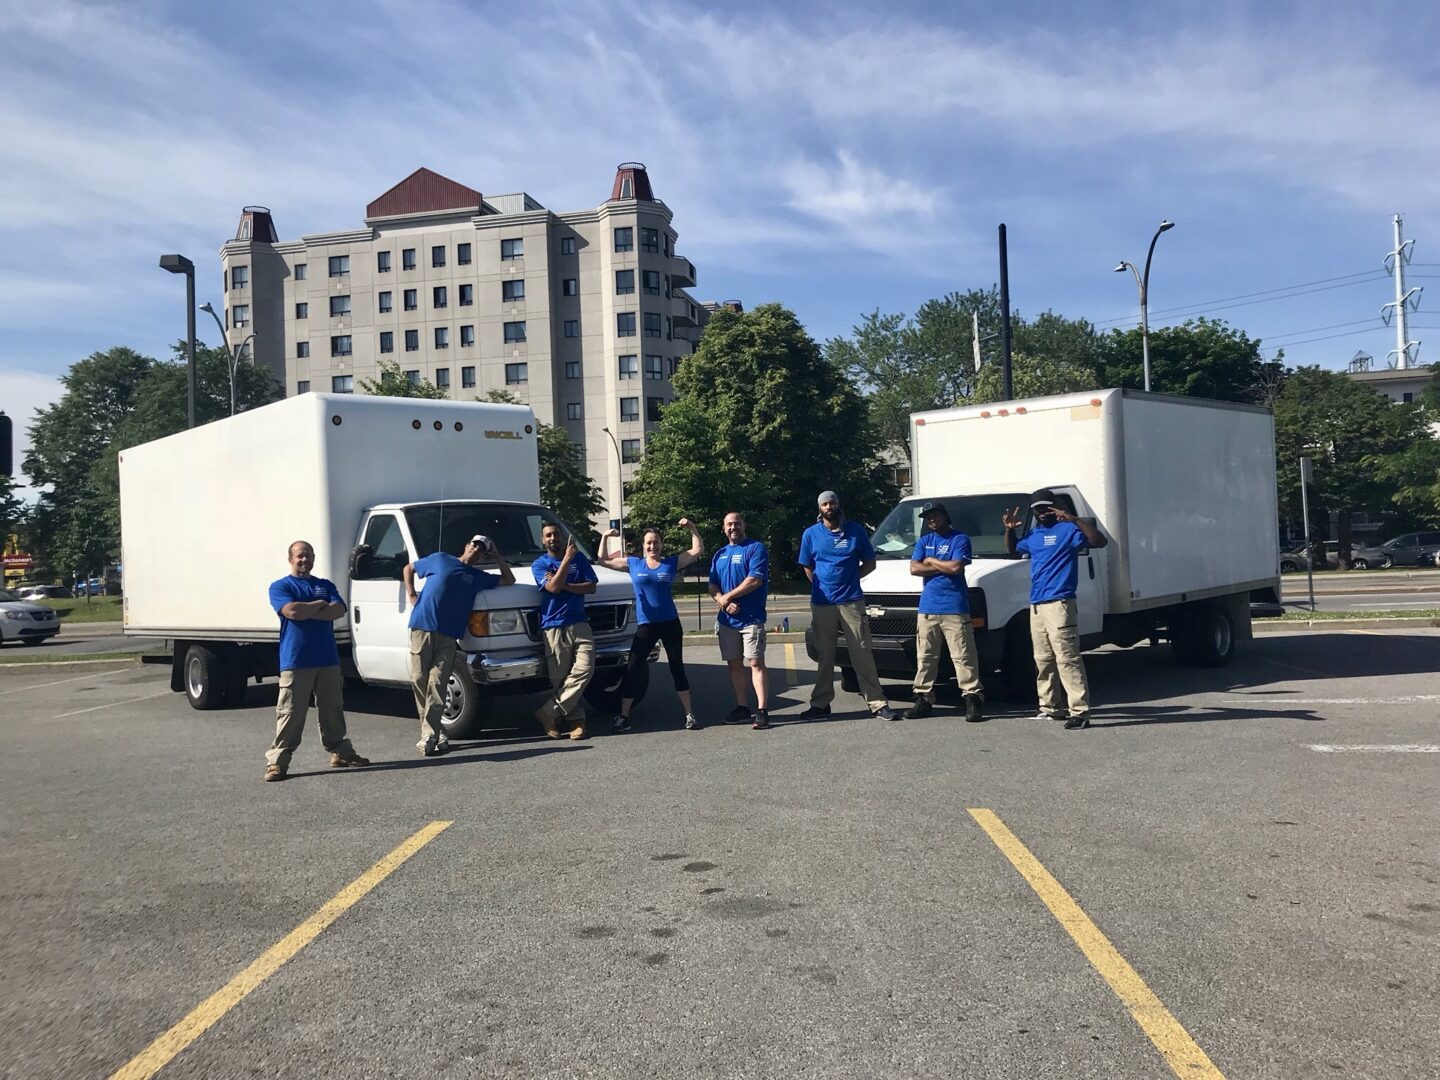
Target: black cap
x,y
932,507
1043,497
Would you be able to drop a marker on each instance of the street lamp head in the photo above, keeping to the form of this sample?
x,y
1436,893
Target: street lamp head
x,y
176,264
205,307
1166,225
1121,268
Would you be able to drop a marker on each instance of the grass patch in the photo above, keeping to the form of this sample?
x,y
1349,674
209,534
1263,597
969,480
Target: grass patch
x,y
1412,613
87,609
17,659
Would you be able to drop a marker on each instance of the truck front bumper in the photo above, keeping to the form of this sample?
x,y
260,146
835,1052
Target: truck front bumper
x,y
510,670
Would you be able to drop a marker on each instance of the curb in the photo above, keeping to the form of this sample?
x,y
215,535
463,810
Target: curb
x,y
79,661
1275,626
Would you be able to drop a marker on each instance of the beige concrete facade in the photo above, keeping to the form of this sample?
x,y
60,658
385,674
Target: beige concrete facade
x,y
583,280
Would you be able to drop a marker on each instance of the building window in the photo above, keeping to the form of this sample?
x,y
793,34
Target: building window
x,y
625,324
239,277
412,340
382,262
624,282
302,349
627,187
413,377
301,271
514,331
651,279
629,408
512,290
302,311
387,302
574,410
1407,397
654,367
339,306
437,255
672,365
650,240
570,286
442,378
572,328
653,405
303,386
567,245
407,259
240,314
340,345
668,335
412,299
467,295
440,296
652,324
342,384
467,378
516,374
387,341
629,367
512,249
442,337
668,249
462,256
625,239
467,336
572,369
629,451
339,265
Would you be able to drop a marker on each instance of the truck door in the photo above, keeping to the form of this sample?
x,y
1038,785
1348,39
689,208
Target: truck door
x,y
379,613
1090,592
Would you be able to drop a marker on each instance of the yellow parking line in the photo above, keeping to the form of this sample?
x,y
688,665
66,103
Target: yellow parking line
x,y
1179,1050
155,1056
790,677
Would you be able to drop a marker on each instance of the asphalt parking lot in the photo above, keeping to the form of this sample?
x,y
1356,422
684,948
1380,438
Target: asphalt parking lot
x,y
1257,847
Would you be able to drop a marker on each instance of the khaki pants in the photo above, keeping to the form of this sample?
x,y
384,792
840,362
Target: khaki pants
x,y
932,632
297,686
570,651
829,620
1055,637
432,659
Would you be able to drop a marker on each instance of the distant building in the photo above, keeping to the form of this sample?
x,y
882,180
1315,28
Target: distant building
x,y
583,314
1397,384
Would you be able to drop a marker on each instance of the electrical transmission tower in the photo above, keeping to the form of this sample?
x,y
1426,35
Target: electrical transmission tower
x,y
1406,351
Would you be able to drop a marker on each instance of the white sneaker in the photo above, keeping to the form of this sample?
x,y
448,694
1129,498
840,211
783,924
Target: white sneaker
x,y
691,723
1042,715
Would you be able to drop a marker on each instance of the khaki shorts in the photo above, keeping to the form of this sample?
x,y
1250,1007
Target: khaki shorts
x,y
748,641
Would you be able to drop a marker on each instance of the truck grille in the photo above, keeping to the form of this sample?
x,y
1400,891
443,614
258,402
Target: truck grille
x,y
604,619
901,610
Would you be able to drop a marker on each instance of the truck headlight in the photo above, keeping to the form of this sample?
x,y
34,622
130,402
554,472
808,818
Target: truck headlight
x,y
496,623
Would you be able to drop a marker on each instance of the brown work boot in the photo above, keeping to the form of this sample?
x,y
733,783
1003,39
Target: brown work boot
x,y
274,773
542,717
579,732
348,760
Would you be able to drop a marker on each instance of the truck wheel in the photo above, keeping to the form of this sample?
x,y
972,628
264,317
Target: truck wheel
x,y
1204,637
1017,664
204,677
603,693
466,704
849,681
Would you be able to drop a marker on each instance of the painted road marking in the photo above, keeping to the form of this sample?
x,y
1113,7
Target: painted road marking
x,y
1377,748
115,704
790,677
78,678
155,1056
1295,667
1274,699
1179,1050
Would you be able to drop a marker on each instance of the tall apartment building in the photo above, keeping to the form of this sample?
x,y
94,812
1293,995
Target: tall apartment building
x,y
584,314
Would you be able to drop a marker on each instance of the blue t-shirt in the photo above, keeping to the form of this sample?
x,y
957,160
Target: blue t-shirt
x,y
834,559
308,642
446,602
729,568
562,608
1054,569
943,594
653,600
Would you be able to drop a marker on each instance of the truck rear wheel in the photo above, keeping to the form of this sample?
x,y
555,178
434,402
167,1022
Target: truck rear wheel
x,y
1203,636
205,675
467,703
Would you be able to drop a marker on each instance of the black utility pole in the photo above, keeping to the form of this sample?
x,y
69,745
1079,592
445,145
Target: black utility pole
x,y
1008,391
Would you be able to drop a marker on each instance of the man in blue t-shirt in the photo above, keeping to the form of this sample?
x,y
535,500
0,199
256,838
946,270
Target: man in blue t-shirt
x,y
1053,547
739,580
309,665
565,577
441,616
836,554
940,557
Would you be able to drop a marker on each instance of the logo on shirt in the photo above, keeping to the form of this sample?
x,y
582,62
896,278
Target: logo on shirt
x,y
736,559
1051,540
841,543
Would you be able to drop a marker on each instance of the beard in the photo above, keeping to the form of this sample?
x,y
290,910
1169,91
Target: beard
x,y
830,517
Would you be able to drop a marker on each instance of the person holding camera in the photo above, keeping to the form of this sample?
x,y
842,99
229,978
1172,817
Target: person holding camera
x,y
441,616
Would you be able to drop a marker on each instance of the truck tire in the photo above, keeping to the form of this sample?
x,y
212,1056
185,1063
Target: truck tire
x,y
849,681
467,704
1017,662
1203,636
204,674
603,693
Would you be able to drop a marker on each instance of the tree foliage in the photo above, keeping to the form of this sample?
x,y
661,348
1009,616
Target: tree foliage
x,y
393,382
762,423
1203,358
14,515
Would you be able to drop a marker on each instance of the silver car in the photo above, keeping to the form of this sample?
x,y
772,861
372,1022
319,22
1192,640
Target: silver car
x,y
1412,549
24,622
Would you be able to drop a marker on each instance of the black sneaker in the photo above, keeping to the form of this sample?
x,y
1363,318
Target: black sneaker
x,y
621,724
738,715
1075,723
974,709
815,712
886,713
922,707
762,720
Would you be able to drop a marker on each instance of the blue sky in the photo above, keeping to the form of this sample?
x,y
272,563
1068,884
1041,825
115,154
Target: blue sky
x,y
834,159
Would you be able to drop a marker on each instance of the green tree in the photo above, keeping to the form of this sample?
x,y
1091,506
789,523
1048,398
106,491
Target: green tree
x,y
1414,472
1203,358
762,424
14,514
393,382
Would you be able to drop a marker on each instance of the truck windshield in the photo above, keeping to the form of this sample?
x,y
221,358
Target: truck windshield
x,y
977,516
514,527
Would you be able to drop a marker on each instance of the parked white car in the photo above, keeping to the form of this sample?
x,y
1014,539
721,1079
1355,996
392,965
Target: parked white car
x,y
25,622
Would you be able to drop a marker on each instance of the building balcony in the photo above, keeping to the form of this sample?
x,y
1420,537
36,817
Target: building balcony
x,y
682,272
683,312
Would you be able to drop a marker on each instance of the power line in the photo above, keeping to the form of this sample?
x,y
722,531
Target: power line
x,y
1264,297
1327,337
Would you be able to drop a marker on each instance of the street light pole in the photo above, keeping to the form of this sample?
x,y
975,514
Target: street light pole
x,y
232,356
620,479
179,264
1142,281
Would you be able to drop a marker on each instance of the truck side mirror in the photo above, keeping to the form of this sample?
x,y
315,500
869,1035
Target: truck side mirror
x,y
361,559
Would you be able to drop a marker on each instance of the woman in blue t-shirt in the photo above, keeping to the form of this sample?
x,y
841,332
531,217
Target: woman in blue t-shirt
x,y
653,576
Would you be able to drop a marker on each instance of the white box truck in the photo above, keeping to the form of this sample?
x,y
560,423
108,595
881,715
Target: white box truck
x,y
207,517
1183,489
